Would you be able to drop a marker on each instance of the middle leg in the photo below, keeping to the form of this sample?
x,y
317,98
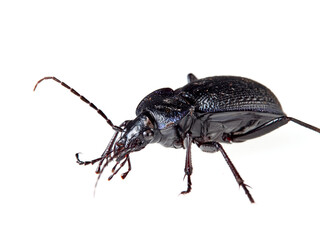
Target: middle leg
x,y
188,165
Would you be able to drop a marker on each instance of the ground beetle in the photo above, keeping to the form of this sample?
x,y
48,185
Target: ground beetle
x,y
207,112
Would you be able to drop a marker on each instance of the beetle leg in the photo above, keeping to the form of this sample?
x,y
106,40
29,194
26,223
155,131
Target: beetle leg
x,y
188,165
234,171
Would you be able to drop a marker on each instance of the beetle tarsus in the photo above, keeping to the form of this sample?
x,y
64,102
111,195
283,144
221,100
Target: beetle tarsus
x,y
189,186
244,186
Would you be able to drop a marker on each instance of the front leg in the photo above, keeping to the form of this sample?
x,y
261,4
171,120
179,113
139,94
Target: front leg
x,y
188,164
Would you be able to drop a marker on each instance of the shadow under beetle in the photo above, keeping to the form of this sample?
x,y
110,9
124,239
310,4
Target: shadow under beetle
x,y
207,112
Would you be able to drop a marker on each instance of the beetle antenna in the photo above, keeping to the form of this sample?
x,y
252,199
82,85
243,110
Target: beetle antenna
x,y
114,127
304,124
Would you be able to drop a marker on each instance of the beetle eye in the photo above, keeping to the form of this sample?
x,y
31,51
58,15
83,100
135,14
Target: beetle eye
x,y
148,135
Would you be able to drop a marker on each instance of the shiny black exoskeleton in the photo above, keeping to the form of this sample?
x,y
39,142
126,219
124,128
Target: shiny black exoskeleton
x,y
207,112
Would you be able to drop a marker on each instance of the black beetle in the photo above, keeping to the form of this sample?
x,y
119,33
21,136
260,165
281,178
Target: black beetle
x,y
207,112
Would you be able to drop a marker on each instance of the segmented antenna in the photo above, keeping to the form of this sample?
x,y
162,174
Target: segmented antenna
x,y
114,127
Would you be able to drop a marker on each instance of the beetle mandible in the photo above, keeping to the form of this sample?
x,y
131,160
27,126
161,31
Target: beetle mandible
x,y
207,112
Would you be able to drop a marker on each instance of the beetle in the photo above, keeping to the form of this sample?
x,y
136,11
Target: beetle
x,y
206,112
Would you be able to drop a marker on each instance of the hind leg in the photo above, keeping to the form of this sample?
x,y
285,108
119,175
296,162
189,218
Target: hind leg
x,y
214,147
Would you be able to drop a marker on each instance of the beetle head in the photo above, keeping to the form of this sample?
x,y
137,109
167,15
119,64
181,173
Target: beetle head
x,y
135,136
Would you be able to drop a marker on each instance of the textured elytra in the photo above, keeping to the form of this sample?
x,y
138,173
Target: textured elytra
x,y
209,95
230,93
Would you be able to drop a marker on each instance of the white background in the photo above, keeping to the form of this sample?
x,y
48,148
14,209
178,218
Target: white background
x,y
115,54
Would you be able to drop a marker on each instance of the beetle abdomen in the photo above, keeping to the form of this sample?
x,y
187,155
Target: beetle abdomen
x,y
209,127
229,93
